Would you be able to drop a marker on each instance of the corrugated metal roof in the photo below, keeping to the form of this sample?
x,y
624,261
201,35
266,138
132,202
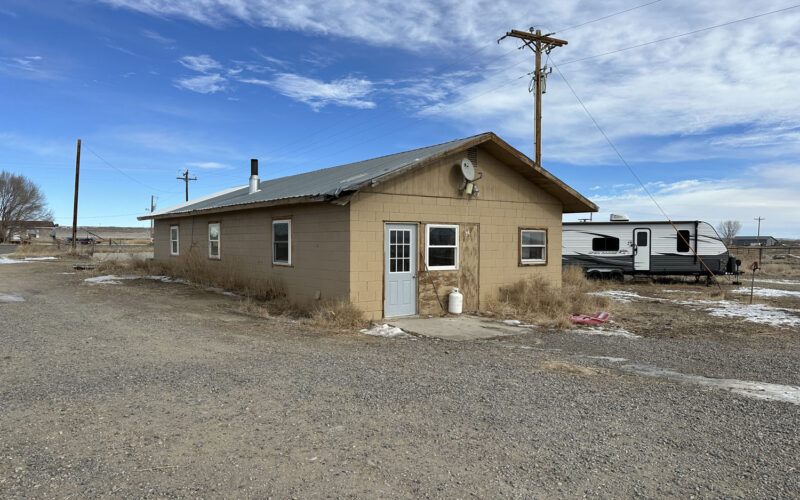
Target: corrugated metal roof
x,y
328,182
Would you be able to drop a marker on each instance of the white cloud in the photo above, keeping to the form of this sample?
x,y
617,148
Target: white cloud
x,y
202,63
209,165
351,92
158,37
205,84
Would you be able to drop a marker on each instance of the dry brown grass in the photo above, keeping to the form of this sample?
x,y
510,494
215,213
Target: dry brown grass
x,y
338,315
536,301
46,251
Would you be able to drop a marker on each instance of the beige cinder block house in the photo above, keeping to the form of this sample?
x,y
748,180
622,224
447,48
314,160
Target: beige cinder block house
x,y
390,234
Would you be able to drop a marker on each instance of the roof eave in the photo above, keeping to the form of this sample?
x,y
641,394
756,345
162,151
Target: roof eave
x,y
240,206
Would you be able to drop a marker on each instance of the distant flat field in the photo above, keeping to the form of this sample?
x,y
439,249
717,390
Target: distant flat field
x,y
138,387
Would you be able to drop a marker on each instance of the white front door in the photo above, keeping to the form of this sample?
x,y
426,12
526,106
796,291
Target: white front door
x,y
641,249
400,243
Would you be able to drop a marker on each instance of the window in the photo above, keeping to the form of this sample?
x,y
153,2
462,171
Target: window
x,y
683,241
213,240
282,242
641,239
399,251
533,246
173,240
605,244
441,250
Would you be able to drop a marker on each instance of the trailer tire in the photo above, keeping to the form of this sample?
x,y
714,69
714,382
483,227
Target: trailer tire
x,y
594,275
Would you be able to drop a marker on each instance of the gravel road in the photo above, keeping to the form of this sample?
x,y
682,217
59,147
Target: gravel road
x,y
156,389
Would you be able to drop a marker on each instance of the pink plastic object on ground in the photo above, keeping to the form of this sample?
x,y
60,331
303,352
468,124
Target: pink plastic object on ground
x,y
582,319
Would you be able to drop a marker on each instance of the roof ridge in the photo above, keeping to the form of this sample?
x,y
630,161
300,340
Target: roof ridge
x,y
378,157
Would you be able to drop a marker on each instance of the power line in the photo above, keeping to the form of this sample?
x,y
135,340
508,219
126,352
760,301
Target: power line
x,y
688,33
605,17
123,173
630,169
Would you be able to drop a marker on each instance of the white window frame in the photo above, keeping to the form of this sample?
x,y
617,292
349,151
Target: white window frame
x,y
289,242
219,240
428,245
543,260
177,240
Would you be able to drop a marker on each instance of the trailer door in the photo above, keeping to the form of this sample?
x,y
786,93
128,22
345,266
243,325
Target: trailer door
x,y
641,249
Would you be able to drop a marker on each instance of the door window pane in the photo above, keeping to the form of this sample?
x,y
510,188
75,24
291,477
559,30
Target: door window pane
x,y
399,250
641,239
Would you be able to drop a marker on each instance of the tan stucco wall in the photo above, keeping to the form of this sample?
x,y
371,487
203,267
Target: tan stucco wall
x,y
320,246
507,201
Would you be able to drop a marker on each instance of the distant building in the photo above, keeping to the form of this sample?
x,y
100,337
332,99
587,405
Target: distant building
x,y
754,241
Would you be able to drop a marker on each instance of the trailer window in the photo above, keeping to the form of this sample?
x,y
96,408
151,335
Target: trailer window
x,y
683,241
605,244
641,239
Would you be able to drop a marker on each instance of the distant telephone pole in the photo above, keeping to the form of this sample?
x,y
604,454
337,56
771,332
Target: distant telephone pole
x,y
758,239
75,205
538,43
185,178
152,209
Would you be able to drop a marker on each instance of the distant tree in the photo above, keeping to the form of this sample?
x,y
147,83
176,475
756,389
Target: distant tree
x,y
728,230
20,201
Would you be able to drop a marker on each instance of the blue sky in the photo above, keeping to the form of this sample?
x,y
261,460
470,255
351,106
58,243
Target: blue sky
x,y
710,122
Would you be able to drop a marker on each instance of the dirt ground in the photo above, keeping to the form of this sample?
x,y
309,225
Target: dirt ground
x,y
145,389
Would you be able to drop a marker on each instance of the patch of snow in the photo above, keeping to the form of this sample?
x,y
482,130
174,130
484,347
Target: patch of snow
x,y
619,295
388,331
605,333
680,291
6,260
755,313
769,292
65,273
167,279
516,322
779,282
11,298
610,359
111,279
758,390
218,290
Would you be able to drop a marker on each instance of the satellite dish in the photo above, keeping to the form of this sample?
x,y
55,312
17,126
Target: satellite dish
x,y
468,169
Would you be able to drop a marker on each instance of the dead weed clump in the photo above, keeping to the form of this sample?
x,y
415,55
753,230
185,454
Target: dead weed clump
x,y
338,315
537,301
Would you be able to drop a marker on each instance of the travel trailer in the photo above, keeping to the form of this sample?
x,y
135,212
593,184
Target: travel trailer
x,y
621,246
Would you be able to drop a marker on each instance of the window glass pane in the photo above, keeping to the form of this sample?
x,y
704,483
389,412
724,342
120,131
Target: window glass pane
x,y
406,251
281,231
682,245
442,236
174,233
406,265
441,257
214,248
605,244
392,265
281,252
532,253
533,238
393,236
406,237
641,239
174,247
213,231
392,251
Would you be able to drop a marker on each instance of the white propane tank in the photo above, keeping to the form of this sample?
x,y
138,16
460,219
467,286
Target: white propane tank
x,y
456,302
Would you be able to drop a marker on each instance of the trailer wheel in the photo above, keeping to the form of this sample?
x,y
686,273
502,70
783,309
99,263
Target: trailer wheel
x,y
594,275
617,276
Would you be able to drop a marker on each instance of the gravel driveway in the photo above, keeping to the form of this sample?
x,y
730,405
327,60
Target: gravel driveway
x,y
159,389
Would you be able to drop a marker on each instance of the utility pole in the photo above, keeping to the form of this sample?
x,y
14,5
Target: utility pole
x,y
152,209
758,239
75,205
538,43
186,179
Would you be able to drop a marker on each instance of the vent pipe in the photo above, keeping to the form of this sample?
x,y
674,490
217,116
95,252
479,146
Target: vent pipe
x,y
253,176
